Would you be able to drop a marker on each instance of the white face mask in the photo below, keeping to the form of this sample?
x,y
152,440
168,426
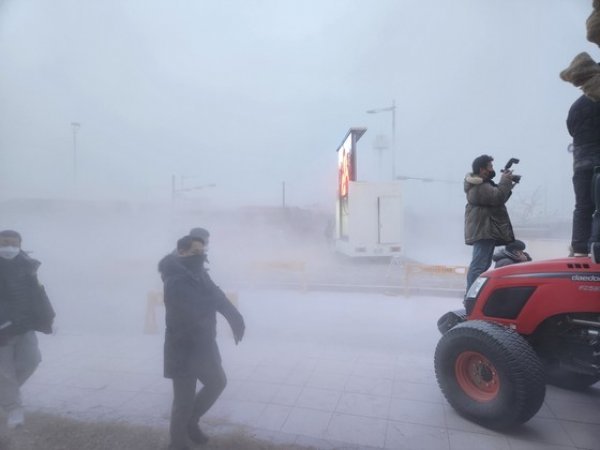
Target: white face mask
x,y
9,252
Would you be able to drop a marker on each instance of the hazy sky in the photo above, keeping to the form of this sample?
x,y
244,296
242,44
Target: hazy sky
x,y
247,94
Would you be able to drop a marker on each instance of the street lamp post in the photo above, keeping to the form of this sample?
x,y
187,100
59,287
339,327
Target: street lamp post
x,y
393,111
381,143
75,127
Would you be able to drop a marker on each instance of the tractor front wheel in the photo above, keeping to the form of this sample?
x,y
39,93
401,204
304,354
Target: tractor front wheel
x,y
490,374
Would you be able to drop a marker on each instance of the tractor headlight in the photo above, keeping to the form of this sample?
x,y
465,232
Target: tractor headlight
x,y
472,294
476,287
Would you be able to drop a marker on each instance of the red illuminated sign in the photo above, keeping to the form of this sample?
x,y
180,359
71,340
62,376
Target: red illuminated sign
x,y
345,166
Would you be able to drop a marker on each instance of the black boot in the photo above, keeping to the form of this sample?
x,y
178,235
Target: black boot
x,y
196,435
595,236
179,447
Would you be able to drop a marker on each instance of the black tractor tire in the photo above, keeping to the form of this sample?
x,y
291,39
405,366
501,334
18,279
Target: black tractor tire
x,y
567,379
490,374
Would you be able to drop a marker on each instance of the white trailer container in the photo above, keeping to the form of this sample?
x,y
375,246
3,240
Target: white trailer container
x,y
369,220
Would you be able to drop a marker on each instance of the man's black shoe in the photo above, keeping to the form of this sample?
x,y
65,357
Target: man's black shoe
x,y
596,252
178,447
196,435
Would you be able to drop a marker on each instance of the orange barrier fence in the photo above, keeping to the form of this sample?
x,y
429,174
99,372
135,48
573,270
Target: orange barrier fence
x,y
411,270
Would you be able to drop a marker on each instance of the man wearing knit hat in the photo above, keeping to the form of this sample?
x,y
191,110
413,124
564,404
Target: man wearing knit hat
x,y
201,233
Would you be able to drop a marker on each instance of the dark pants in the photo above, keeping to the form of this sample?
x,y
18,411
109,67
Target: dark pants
x,y
595,237
483,251
584,209
188,406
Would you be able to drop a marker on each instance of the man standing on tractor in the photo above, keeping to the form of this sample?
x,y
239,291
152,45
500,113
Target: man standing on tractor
x,y
487,224
583,123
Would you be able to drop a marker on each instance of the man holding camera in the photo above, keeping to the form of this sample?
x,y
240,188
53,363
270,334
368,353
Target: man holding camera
x,y
487,224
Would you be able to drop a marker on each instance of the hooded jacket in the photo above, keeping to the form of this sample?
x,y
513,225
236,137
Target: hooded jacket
x,y
191,303
24,305
486,216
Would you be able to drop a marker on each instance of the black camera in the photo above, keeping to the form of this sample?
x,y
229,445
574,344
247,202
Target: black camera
x,y
511,161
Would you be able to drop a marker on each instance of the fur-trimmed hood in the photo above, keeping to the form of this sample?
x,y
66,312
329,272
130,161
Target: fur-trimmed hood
x,y
472,180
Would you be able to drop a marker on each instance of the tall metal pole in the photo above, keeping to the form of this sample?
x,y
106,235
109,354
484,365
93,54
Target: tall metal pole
x,y
393,140
283,194
75,127
393,110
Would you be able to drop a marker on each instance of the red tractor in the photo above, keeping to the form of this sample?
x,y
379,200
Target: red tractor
x,y
523,325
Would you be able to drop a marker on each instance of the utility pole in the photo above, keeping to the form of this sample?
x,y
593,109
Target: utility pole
x,y
75,127
391,109
283,194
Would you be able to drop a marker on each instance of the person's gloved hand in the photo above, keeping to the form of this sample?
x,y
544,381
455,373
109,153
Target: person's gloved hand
x,y
238,327
5,333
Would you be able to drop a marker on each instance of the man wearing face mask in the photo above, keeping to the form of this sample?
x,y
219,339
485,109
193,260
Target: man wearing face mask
x,y
204,236
24,309
191,352
487,224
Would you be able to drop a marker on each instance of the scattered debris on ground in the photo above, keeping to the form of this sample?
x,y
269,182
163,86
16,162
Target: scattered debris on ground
x,y
50,432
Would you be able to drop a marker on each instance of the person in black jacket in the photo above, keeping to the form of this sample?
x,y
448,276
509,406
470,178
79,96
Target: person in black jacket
x,y
583,123
190,350
24,308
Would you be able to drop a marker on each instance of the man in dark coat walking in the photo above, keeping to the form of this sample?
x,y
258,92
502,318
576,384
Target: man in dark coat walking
x,y
487,223
191,352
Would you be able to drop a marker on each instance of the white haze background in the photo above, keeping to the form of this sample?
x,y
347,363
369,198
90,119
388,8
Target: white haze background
x,y
236,97
247,94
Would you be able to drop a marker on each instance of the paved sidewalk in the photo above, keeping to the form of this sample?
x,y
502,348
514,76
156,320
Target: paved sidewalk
x,y
328,370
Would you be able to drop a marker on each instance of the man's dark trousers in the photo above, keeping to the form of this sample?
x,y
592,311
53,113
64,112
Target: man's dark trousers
x,y
584,209
188,406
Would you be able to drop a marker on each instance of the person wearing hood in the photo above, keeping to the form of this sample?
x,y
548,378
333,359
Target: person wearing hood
x,y
512,253
583,124
24,309
191,352
487,223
